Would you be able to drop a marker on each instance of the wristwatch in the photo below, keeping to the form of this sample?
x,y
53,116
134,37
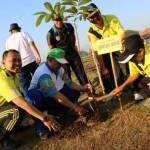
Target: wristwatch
x,y
46,118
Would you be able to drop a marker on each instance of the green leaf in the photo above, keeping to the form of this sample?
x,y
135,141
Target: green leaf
x,y
40,13
62,10
69,3
48,17
48,6
83,2
84,8
67,17
72,10
84,17
39,20
57,7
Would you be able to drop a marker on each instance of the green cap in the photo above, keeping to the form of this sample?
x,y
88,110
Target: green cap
x,y
58,54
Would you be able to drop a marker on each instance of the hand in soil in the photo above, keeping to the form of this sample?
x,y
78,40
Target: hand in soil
x,y
80,110
52,124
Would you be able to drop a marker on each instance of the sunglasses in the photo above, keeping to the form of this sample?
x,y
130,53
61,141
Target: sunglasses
x,y
94,17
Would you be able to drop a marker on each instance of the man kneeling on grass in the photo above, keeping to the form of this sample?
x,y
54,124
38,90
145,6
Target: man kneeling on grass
x,y
138,55
51,90
12,103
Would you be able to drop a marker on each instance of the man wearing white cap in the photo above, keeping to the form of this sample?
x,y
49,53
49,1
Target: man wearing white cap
x,y
138,55
51,90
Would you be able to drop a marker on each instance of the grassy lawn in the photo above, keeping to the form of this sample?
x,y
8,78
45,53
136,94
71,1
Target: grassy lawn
x,y
108,128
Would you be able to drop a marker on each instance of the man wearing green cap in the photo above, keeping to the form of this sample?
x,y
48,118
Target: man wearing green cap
x,y
51,90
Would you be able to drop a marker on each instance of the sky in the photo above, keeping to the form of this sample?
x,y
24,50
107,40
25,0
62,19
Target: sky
x,y
133,14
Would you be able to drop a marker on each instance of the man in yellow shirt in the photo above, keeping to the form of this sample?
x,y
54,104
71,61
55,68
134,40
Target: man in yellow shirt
x,y
103,26
12,103
138,56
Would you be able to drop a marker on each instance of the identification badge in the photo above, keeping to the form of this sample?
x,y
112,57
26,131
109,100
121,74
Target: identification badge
x,y
58,38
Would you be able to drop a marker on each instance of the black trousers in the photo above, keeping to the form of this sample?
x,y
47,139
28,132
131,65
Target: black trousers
x,y
76,64
122,71
10,116
26,76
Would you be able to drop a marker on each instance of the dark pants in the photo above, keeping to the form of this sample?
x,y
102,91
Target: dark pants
x,y
26,76
140,86
122,72
50,105
10,117
76,64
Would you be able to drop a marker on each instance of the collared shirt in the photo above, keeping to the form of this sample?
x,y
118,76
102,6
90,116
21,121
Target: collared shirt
x,y
9,87
45,80
112,26
143,69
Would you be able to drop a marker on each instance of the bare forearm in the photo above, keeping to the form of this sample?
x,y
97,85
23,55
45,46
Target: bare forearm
x,y
34,49
64,100
20,102
129,81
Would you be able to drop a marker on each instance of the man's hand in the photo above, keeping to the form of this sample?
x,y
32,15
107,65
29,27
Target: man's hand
x,y
38,59
88,88
52,124
116,91
79,110
148,84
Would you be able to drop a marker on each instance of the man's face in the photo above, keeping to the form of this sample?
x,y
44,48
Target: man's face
x,y
58,24
12,62
95,18
55,65
138,57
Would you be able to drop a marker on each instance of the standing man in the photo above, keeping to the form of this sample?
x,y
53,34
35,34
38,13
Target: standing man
x,y
30,56
103,26
51,90
12,103
138,55
62,35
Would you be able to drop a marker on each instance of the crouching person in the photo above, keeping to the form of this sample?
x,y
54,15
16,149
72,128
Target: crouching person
x,y
51,90
137,53
12,103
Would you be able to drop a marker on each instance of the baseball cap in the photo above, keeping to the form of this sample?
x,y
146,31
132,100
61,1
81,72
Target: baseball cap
x,y
14,26
92,9
58,54
131,45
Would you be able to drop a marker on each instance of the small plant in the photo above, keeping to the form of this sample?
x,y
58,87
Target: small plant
x,y
77,8
65,9
52,12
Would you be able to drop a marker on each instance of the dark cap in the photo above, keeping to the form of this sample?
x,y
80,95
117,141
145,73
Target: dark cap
x,y
131,45
14,26
92,9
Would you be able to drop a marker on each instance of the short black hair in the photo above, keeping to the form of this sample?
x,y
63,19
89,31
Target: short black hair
x,y
9,51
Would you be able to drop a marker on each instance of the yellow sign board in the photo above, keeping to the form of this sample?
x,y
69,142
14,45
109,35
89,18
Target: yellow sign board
x,y
108,45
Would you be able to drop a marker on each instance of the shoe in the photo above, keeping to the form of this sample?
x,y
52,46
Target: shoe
x,y
138,97
9,144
